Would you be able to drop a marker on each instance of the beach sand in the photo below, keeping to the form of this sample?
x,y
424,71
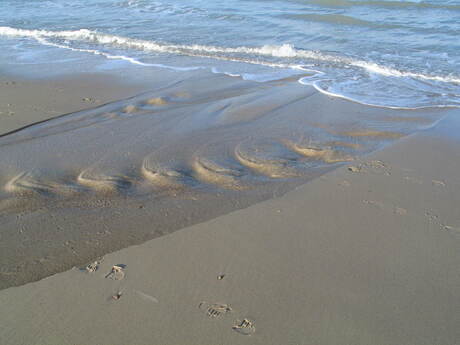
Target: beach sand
x,y
24,101
367,253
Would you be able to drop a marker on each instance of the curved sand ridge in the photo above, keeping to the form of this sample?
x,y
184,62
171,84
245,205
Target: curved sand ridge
x,y
213,173
326,154
163,177
26,182
278,167
104,183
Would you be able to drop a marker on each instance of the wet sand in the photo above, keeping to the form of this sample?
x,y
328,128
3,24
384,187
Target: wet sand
x,y
24,101
188,148
366,254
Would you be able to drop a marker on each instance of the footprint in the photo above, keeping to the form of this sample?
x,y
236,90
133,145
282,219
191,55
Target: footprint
x,y
355,168
438,183
433,218
117,272
378,167
93,266
214,310
374,166
244,327
451,228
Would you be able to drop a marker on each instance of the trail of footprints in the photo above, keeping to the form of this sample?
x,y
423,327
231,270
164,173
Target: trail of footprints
x,y
243,326
380,168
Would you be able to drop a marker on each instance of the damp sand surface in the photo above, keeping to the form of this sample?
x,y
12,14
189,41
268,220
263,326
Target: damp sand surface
x,y
24,101
365,254
176,151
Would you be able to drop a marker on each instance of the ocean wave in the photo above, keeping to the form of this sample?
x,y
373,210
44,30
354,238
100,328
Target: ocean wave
x,y
248,54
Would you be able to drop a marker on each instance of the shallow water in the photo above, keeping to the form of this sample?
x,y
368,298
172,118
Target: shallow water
x,y
381,52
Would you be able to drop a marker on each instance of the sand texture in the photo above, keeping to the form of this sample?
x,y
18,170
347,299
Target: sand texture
x,y
366,254
24,102
188,148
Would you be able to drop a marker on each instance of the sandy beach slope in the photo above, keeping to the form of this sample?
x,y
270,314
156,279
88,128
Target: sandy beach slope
x,y
366,254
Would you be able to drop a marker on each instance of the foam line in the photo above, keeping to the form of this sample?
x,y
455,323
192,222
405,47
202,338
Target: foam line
x,y
279,51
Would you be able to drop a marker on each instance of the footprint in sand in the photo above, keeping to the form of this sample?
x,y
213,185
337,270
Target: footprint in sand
x,y
93,266
433,218
214,310
451,228
375,167
244,327
117,272
438,183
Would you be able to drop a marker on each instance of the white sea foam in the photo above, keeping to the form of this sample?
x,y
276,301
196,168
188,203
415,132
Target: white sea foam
x,y
315,84
249,54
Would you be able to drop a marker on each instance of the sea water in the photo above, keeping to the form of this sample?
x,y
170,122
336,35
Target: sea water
x,y
387,53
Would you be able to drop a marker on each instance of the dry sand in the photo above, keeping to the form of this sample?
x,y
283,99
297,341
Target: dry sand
x,y
366,254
